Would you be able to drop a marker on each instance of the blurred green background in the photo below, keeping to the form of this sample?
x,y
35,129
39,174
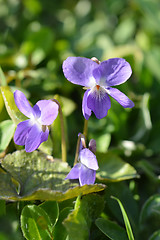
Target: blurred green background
x,y
36,36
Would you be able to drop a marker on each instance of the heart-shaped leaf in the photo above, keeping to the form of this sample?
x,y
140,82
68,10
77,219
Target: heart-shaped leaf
x,y
41,177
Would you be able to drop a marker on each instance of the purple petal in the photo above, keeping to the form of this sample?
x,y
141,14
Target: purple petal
x,y
44,134
87,176
82,143
34,138
86,111
23,104
92,146
49,111
74,173
120,97
79,71
21,132
99,102
37,111
88,159
112,72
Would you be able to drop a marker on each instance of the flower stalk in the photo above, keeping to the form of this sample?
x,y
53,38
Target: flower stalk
x,y
81,139
63,137
85,128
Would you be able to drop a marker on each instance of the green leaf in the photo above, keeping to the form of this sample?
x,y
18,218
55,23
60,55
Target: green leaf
x,y
7,188
150,216
56,130
3,81
126,220
37,44
113,168
51,208
155,236
86,210
122,191
41,177
7,129
60,231
35,223
11,107
2,207
111,229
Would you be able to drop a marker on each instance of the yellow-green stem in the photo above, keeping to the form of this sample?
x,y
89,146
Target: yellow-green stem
x,y
63,138
85,129
77,147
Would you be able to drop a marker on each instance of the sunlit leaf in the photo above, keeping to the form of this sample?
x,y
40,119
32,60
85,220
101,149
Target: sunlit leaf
x,y
7,188
42,177
113,168
11,107
7,129
3,81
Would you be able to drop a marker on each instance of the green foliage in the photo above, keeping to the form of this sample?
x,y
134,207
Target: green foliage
x,y
126,220
86,210
35,223
11,107
7,129
150,216
35,37
39,177
52,209
112,168
60,231
111,229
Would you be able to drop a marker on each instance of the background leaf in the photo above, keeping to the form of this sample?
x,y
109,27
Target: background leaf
x,y
111,229
86,210
150,216
126,220
52,209
113,168
59,231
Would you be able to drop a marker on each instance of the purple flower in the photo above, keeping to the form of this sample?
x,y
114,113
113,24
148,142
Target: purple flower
x,y
98,79
34,131
85,169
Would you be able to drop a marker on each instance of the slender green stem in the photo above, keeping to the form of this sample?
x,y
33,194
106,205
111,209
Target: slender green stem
x,y
63,138
85,129
81,137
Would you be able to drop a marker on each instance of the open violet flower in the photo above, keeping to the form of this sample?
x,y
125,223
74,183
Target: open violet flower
x,y
35,130
85,169
98,79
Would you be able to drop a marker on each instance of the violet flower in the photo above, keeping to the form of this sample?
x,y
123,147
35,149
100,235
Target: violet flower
x,y
85,169
98,79
35,130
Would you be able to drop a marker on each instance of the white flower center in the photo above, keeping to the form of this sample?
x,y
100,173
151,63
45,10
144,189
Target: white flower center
x,y
98,92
